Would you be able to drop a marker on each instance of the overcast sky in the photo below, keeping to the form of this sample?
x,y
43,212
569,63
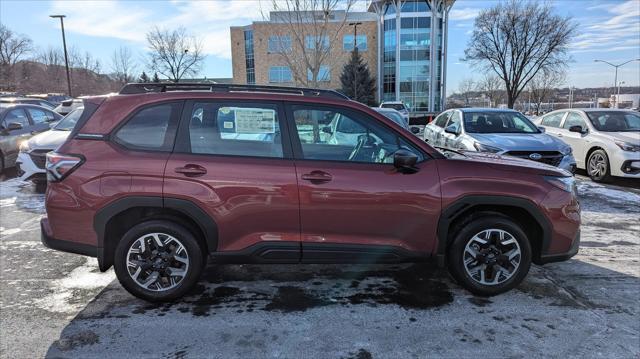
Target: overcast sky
x,y
608,30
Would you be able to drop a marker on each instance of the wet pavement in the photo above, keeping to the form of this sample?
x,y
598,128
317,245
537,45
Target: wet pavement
x,y
59,305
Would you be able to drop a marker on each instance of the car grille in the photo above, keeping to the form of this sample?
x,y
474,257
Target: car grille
x,y
552,158
39,157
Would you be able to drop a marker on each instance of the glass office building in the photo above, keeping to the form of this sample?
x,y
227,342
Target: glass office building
x,y
412,52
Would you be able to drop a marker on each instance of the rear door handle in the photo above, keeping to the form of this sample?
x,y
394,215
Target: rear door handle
x,y
191,170
317,176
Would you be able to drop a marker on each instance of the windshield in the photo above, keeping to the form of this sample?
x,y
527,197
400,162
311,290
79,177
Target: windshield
x,y
69,121
614,121
395,106
498,122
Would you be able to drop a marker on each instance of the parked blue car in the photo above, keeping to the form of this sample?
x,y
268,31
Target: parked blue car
x,y
501,131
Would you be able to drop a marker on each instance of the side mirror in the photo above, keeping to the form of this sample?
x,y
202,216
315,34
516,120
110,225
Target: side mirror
x,y
542,129
405,161
415,130
12,126
578,129
327,129
452,129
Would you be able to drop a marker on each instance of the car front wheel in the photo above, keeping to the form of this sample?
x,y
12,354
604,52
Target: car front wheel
x,y
490,255
598,166
158,261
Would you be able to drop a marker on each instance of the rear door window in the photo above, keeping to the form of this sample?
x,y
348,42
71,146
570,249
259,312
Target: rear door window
x,y
38,116
553,119
240,129
152,128
441,120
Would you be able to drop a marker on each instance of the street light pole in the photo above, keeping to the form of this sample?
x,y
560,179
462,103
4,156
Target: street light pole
x,y
615,82
355,48
64,45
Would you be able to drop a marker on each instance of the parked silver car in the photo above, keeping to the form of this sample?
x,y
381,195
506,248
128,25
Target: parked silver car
x,y
505,132
605,142
18,123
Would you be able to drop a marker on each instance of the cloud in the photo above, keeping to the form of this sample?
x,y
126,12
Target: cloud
x,y
616,31
466,13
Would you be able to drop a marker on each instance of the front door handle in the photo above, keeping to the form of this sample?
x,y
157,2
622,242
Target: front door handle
x,y
191,170
317,176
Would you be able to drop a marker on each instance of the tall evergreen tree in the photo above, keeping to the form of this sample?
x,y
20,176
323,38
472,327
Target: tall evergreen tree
x,y
357,82
144,77
155,78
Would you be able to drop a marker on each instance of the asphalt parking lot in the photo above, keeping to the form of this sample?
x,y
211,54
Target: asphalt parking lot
x,y
59,305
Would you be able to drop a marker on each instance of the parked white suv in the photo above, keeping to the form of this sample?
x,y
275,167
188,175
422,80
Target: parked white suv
x,y
398,106
605,142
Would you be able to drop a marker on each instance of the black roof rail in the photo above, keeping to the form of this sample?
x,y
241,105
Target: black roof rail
x,y
154,87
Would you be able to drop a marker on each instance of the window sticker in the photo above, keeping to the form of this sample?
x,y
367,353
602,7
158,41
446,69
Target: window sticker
x,y
249,120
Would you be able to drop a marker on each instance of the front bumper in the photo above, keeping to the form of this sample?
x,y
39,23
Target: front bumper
x,y
27,169
62,245
560,257
625,164
568,163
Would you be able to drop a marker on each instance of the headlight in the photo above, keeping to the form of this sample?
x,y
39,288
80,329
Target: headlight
x,y
24,146
567,184
485,148
626,146
566,151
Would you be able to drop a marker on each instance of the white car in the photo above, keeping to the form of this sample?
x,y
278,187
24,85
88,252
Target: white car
x,y
33,153
67,106
605,142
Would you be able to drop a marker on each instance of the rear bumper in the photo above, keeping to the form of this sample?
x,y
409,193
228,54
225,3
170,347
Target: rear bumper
x,y
62,245
560,257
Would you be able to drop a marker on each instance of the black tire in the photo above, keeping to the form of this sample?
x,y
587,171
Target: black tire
x,y
599,175
464,234
196,257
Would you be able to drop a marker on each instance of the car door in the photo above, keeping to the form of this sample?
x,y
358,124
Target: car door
x,y
354,205
575,139
15,127
436,127
233,159
551,122
450,140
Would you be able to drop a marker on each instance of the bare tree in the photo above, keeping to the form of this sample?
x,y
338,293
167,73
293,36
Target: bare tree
x,y
123,65
517,40
13,48
542,87
313,30
465,87
491,86
174,53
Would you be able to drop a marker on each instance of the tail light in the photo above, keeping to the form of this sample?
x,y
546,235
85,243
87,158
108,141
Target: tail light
x,y
60,166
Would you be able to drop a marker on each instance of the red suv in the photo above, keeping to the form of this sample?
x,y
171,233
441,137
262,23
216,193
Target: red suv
x,y
161,176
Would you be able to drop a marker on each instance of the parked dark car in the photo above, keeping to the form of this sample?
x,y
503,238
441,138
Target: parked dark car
x,y
18,123
156,179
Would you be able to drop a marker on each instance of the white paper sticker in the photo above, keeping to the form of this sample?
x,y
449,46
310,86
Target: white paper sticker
x,y
249,120
228,124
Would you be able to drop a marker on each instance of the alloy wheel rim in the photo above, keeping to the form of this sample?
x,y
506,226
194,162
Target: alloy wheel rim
x,y
157,262
597,165
492,257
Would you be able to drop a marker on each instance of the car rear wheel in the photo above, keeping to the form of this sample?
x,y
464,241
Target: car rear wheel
x,y
158,261
598,166
490,255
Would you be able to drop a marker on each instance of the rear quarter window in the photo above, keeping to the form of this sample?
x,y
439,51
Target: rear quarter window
x,y
152,128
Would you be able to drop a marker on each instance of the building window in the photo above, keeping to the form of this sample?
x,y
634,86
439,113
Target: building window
x,y
361,43
249,60
279,44
415,6
324,74
312,41
280,74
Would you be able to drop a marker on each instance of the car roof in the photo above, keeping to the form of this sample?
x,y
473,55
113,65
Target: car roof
x,y
384,109
7,106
